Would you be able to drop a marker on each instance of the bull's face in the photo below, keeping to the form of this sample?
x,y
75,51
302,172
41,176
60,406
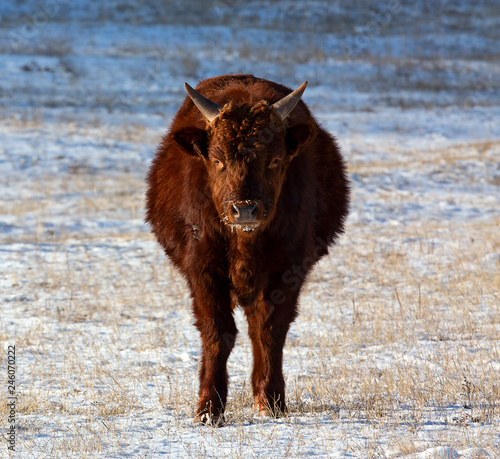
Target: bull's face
x,y
246,150
246,162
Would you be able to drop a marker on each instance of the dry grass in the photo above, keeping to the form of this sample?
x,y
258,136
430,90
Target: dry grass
x,y
396,346
395,349
32,118
485,153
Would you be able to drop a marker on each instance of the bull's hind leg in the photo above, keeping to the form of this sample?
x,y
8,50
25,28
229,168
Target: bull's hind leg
x,y
214,320
268,324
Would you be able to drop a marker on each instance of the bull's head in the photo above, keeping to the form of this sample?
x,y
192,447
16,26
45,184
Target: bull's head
x,y
246,149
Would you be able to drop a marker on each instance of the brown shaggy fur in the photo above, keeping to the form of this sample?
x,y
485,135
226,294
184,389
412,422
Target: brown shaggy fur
x,y
294,173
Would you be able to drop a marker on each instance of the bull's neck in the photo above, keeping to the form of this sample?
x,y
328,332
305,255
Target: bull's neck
x,y
245,253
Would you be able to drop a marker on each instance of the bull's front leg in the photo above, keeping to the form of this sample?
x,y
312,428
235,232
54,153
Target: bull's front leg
x,y
215,322
268,325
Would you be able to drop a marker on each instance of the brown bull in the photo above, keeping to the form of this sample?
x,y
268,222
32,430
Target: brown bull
x,y
246,193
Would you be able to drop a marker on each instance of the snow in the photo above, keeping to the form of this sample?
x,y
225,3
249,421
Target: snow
x,y
405,306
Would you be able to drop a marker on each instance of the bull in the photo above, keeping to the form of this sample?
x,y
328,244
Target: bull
x,y
245,194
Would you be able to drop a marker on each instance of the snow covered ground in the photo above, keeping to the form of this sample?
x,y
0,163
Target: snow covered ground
x,y
395,352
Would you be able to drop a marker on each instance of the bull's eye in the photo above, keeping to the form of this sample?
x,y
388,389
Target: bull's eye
x,y
274,163
218,163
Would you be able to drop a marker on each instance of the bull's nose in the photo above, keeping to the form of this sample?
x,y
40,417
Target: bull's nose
x,y
244,212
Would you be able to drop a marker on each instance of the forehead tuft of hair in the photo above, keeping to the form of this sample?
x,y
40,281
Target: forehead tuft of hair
x,y
242,130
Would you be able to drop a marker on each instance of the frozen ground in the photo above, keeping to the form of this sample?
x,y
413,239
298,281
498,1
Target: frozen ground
x,y
395,352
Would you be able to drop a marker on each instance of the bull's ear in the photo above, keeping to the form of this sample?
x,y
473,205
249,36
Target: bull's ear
x,y
296,136
192,140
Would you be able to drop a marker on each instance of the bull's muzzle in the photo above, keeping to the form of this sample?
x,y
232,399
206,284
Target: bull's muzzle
x,y
246,215
244,212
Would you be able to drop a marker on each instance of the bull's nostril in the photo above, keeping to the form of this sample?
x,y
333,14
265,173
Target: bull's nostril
x,y
235,210
254,211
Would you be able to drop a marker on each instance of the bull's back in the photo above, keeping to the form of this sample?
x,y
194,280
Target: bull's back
x,y
332,194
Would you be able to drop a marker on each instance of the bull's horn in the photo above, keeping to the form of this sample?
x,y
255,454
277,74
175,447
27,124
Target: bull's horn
x,y
209,109
288,103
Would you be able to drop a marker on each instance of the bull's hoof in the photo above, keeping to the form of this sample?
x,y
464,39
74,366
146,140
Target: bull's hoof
x,y
210,413
210,420
269,410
